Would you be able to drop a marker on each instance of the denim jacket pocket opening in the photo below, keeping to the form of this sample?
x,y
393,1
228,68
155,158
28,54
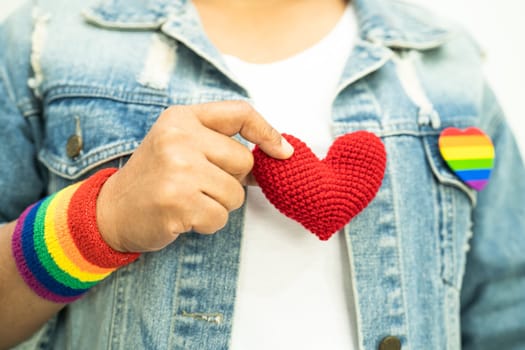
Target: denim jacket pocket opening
x,y
455,201
110,129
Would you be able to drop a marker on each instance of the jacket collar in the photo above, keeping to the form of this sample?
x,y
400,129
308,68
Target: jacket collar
x,y
390,23
132,14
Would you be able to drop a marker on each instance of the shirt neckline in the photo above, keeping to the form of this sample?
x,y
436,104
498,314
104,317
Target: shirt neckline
x,y
347,20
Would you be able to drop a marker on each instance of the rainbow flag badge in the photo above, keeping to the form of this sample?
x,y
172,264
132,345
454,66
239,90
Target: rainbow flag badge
x,y
469,153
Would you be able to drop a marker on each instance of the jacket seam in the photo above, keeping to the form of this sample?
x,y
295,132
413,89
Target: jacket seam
x,y
80,91
55,164
395,212
176,296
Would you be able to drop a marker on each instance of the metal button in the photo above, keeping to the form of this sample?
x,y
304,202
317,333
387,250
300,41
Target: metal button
x,y
390,343
73,146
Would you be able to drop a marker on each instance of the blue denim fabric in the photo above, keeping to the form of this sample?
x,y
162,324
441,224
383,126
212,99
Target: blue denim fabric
x,y
433,262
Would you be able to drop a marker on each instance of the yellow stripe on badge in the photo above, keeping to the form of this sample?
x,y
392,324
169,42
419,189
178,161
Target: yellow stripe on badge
x,y
474,152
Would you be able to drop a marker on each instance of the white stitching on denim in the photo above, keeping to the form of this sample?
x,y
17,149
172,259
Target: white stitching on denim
x,y
215,318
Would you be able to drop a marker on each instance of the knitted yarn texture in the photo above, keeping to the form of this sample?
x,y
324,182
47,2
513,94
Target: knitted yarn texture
x,y
323,195
57,247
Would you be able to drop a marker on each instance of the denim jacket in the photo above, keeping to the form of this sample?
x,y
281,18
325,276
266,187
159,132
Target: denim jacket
x,y
433,263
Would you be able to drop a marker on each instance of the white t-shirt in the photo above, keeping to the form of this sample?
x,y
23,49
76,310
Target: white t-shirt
x,y
294,290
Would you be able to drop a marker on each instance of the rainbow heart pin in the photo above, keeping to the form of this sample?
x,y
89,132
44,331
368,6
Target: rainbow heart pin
x,y
469,153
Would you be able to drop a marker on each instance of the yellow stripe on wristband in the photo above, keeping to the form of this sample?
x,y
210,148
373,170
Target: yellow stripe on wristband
x,y
60,243
57,247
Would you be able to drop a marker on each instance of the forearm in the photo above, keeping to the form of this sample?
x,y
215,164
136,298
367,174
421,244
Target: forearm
x,y
51,256
22,311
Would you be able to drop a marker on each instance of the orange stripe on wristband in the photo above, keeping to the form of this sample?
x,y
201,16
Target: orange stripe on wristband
x,y
60,244
66,240
57,246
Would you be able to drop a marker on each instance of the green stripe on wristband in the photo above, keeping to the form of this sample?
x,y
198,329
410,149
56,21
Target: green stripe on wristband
x,y
45,258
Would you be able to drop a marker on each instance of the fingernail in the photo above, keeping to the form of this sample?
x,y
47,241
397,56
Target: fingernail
x,y
286,147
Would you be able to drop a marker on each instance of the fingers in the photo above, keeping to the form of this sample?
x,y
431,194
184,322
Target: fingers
x,y
208,210
225,152
221,186
232,117
186,174
208,216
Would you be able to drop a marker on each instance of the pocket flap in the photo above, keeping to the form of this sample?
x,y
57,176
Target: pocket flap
x,y
84,132
441,170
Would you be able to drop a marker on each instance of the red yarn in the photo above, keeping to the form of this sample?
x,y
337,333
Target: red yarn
x,y
323,195
82,221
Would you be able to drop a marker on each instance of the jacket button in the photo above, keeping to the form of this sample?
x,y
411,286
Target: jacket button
x,y
73,146
390,343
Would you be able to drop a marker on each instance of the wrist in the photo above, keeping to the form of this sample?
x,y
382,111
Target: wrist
x,y
57,246
106,216
82,219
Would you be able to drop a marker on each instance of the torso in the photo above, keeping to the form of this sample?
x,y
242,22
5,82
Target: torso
x,y
288,276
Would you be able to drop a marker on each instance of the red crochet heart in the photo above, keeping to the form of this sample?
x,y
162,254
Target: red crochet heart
x,y
323,195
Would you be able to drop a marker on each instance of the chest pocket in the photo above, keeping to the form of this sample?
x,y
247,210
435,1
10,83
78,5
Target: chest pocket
x,y
423,200
87,128
453,199
455,202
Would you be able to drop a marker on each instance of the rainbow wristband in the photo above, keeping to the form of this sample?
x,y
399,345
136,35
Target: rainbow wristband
x,y
57,247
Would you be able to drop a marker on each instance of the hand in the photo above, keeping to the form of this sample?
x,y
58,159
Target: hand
x,y
186,175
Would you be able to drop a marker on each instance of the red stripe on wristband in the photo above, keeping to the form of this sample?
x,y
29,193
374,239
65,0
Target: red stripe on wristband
x,y
82,221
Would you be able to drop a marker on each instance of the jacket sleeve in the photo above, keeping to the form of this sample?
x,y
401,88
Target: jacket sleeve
x,y
21,176
493,292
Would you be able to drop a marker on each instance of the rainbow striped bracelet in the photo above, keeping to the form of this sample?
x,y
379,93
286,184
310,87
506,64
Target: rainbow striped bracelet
x,y
57,247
